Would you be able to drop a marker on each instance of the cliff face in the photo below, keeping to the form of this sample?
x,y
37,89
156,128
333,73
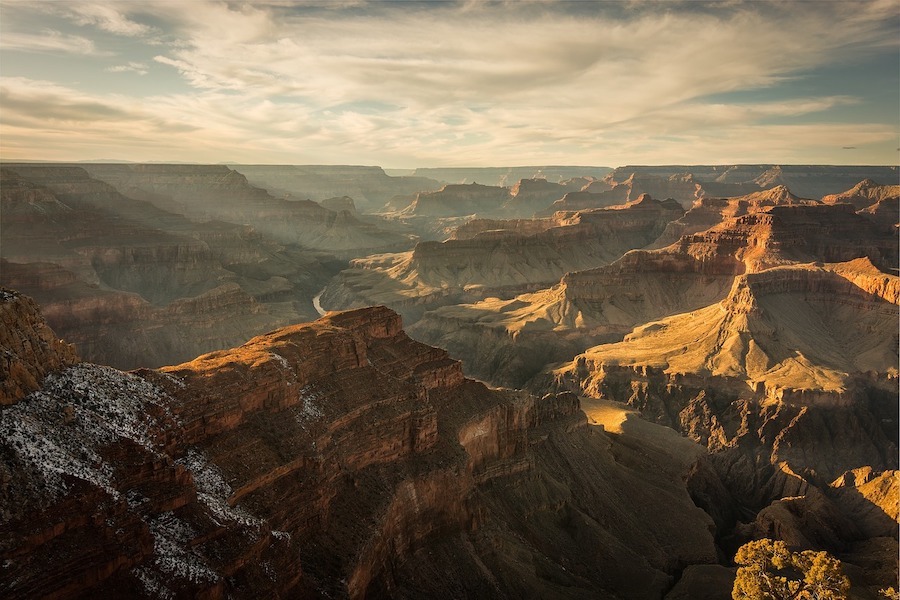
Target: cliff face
x,y
335,458
791,381
134,285
30,349
511,338
708,212
786,234
509,257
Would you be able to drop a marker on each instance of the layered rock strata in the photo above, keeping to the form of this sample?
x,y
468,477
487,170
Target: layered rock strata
x,y
134,285
510,257
338,458
791,382
511,340
807,181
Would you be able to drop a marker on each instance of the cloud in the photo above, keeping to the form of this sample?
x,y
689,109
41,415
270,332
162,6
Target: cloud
x,y
486,82
49,41
135,67
105,16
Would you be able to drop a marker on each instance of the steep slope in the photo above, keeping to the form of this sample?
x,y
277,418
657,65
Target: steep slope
x,y
864,194
791,382
338,458
511,340
134,285
509,258
30,349
708,212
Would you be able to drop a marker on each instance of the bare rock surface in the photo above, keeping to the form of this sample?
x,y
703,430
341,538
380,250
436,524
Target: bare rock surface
x,y
337,458
498,257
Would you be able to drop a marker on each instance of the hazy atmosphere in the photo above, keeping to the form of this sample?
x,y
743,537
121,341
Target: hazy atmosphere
x,y
405,84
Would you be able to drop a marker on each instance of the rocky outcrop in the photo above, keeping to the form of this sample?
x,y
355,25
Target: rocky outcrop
x,y
791,234
864,194
30,349
508,258
708,212
335,458
339,203
455,200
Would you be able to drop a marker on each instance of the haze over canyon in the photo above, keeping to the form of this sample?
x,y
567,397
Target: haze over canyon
x,y
331,381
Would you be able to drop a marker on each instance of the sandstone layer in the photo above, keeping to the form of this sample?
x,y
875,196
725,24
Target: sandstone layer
x,y
337,458
510,257
511,340
791,382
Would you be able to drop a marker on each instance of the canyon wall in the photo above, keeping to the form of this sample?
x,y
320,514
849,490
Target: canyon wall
x,y
334,458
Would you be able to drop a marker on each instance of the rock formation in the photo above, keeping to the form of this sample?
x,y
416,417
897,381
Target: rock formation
x,y
30,349
336,458
134,285
511,340
456,200
807,181
370,186
206,192
791,382
511,257
864,194
708,212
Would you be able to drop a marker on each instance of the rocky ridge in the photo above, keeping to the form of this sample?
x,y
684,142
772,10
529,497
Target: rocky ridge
x,y
513,339
791,383
335,458
511,257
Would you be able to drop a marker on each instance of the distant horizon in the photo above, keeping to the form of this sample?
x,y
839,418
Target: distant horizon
x,y
452,83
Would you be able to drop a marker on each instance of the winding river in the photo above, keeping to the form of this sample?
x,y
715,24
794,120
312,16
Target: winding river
x,y
318,305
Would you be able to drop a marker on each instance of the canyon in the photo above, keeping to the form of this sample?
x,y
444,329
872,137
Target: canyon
x,y
669,361
265,470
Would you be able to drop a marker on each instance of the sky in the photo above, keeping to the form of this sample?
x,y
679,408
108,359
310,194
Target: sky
x,y
447,83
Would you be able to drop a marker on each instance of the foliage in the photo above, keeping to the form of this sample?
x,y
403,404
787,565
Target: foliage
x,y
769,571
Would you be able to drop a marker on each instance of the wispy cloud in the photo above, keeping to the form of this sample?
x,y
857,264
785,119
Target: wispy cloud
x,y
134,67
49,41
464,82
107,16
